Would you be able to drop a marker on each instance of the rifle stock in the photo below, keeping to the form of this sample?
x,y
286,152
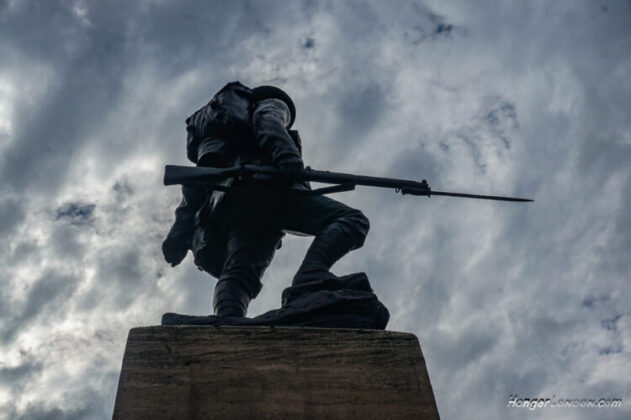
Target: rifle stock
x,y
176,174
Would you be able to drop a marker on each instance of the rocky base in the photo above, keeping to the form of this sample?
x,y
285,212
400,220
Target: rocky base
x,y
339,302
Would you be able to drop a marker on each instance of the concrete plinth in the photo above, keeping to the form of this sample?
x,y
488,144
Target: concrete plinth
x,y
261,372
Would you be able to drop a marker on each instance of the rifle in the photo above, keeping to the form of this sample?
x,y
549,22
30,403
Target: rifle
x,y
175,174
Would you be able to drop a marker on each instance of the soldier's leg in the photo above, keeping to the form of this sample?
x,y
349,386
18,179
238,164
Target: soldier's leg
x,y
337,227
248,254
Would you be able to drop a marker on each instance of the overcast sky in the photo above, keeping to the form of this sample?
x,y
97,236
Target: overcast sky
x,y
492,97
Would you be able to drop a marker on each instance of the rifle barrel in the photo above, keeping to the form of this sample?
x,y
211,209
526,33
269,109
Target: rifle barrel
x,y
341,178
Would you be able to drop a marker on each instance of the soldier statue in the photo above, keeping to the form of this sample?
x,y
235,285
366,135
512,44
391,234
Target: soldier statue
x,y
233,235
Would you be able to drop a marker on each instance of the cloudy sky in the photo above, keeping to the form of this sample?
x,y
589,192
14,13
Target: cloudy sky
x,y
497,97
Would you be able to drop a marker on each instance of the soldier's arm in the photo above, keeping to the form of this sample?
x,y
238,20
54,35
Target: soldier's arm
x,y
270,120
178,240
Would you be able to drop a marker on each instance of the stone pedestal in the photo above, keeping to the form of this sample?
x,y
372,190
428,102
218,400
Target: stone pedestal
x,y
203,372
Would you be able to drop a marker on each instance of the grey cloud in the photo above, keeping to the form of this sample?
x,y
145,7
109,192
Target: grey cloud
x,y
17,375
11,215
443,28
50,131
360,108
48,296
611,324
89,408
501,118
89,63
614,254
123,189
618,348
121,276
415,161
66,243
467,348
495,121
76,213
432,28
589,302
309,43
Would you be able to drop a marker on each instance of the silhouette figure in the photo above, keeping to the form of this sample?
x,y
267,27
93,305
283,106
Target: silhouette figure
x,y
234,235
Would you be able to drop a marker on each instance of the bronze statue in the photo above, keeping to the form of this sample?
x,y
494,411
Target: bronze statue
x,y
249,188
234,235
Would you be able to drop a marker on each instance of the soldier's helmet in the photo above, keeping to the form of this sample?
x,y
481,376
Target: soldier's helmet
x,y
267,92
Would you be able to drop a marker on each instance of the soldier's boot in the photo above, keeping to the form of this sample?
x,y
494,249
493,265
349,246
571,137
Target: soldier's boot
x,y
331,244
230,299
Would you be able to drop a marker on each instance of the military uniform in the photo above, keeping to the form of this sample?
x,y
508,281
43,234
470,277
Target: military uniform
x,y
234,235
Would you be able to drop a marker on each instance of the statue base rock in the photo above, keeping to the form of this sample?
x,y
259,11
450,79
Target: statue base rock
x,y
334,302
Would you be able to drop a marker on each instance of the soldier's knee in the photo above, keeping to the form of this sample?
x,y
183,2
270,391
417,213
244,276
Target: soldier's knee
x,y
359,226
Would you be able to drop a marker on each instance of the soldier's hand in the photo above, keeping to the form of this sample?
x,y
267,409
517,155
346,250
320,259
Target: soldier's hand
x,y
174,251
290,166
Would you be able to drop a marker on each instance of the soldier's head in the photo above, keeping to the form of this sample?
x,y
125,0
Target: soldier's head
x,y
266,92
232,106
